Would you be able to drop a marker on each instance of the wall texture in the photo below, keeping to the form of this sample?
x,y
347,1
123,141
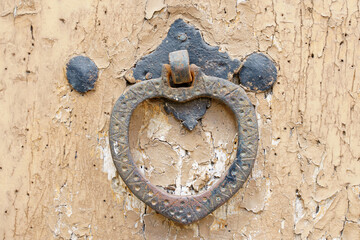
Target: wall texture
x,y
57,180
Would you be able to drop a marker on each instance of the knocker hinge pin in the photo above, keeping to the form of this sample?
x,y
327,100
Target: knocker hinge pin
x,y
181,75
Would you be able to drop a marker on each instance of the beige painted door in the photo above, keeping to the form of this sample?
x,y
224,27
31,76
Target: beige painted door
x,y
57,180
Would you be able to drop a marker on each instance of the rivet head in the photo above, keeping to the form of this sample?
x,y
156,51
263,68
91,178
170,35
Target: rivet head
x,y
258,73
82,73
182,37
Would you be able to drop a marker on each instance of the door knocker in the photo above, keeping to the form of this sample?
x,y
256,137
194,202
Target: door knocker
x,y
181,82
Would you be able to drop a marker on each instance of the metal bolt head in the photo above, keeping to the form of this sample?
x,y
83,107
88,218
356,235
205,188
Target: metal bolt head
x,y
258,73
182,37
82,73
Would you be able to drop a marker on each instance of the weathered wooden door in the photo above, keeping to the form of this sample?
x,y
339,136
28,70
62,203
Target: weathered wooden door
x,y
57,178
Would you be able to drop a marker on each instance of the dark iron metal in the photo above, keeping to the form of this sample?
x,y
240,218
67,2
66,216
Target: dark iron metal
x,y
82,73
258,73
188,112
180,70
185,209
183,36
211,62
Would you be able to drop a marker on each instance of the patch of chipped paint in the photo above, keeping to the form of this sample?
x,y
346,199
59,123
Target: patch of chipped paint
x,y
299,210
153,6
118,187
63,115
276,43
254,234
72,234
15,11
202,176
62,206
58,115
142,169
208,137
218,168
257,174
240,1
314,213
158,127
139,161
180,190
105,155
220,164
275,142
268,98
131,203
324,208
268,193
259,120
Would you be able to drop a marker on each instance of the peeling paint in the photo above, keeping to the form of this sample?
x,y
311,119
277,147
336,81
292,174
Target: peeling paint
x,y
105,155
196,162
305,183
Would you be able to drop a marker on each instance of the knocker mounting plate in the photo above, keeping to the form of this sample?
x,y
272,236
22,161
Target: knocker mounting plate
x,y
190,208
208,58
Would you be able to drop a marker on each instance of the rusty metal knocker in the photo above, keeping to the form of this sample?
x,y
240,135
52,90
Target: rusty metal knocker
x,y
180,82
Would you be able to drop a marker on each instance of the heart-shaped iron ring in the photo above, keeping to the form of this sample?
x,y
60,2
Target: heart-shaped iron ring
x,y
190,208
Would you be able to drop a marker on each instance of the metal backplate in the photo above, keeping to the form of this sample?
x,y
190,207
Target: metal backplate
x,y
190,208
183,36
211,62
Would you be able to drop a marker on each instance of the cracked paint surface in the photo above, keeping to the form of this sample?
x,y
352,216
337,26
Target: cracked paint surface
x,y
56,180
194,160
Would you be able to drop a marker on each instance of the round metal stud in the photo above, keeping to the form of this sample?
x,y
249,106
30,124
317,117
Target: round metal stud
x,y
81,72
258,73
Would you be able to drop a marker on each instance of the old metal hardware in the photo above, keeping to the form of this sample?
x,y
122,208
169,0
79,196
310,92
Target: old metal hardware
x,y
82,73
188,112
180,70
183,36
256,73
190,208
